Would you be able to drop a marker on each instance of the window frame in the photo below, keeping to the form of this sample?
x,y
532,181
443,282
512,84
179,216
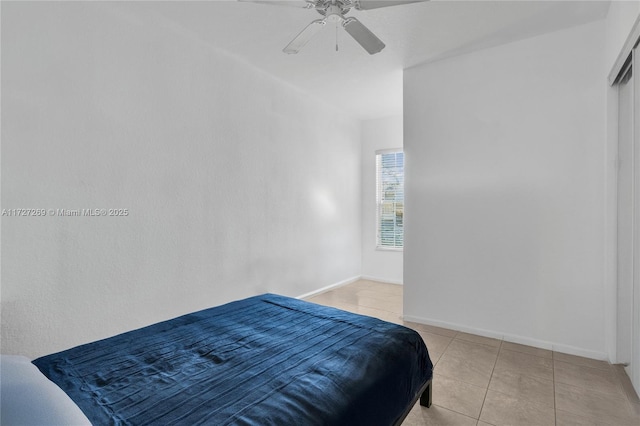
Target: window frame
x,y
379,201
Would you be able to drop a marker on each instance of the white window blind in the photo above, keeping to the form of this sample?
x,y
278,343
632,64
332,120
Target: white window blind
x,y
390,198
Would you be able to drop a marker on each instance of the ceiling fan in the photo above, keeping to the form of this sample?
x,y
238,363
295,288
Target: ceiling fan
x,y
334,11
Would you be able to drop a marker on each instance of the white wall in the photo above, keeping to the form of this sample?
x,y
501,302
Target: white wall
x,y
505,191
379,265
234,186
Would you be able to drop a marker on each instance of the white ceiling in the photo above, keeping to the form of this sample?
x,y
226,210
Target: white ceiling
x,y
362,85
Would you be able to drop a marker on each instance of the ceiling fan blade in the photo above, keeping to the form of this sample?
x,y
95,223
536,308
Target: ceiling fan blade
x,y
376,4
305,35
300,4
363,35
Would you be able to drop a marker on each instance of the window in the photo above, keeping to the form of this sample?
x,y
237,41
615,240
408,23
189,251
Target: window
x,y
390,198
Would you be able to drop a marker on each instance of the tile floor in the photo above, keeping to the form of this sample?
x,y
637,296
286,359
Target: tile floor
x,y
482,381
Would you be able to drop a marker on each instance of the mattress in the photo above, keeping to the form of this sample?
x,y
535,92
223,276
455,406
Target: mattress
x,y
265,360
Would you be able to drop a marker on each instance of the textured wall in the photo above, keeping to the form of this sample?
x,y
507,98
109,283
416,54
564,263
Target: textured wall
x,y
505,189
233,184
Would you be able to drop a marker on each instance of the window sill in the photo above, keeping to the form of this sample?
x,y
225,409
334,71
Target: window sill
x,y
382,248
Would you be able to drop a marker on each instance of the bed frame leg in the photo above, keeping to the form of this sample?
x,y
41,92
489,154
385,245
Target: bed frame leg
x,y
425,398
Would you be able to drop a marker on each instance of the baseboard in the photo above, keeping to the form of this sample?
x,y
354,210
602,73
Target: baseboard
x,y
453,326
330,287
381,280
542,344
572,350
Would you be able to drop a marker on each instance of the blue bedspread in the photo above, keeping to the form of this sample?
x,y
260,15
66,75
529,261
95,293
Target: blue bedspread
x,y
266,360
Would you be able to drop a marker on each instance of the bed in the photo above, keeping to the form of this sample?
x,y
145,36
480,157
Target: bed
x,y
265,360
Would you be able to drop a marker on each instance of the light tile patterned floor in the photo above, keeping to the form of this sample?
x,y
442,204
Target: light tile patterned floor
x,y
482,381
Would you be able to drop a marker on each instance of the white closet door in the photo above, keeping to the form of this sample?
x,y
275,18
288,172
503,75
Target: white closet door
x,y
625,233
634,370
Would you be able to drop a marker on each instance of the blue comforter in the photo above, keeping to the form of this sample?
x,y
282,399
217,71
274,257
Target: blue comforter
x,y
266,360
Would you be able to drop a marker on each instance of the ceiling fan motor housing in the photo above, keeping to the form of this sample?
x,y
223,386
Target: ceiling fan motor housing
x,y
334,10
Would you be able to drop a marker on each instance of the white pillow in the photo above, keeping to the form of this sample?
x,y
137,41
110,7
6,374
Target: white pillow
x,y
27,397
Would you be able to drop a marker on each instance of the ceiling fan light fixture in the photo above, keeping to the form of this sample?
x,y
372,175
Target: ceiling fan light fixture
x,y
334,14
